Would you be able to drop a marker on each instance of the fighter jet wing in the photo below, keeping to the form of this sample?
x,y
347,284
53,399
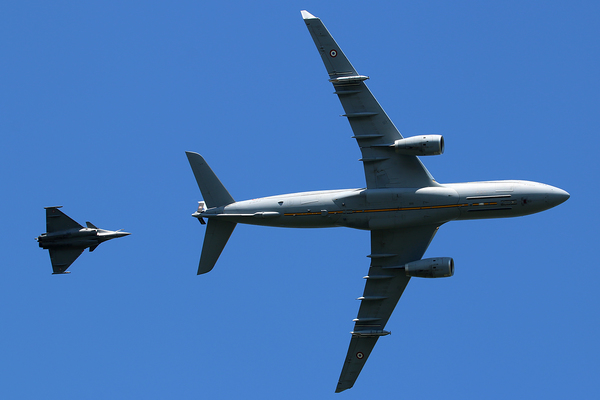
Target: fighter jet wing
x,y
56,221
62,258
373,129
390,249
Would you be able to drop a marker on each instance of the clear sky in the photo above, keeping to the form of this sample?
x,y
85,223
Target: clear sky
x,y
100,100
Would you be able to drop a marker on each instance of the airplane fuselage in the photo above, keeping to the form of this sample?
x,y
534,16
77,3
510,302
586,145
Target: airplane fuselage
x,y
393,208
84,237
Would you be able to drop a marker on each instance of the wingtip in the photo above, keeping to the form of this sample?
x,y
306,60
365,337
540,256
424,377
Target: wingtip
x,y
193,155
307,15
340,388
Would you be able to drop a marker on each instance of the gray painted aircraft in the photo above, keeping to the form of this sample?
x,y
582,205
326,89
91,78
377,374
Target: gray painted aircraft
x,y
402,205
66,239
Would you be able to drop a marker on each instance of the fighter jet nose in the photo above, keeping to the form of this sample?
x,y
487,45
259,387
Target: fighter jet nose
x,y
114,234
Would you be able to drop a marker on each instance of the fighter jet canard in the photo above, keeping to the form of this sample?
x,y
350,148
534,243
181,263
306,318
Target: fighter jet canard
x,y
402,205
66,239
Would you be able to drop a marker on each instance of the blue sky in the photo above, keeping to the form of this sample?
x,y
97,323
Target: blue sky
x,y
101,99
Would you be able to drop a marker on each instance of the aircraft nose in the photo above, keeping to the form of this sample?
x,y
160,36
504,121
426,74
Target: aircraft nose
x,y
556,196
115,234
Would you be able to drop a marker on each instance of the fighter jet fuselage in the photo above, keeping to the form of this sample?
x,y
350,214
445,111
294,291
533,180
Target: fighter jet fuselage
x,y
84,237
391,208
66,239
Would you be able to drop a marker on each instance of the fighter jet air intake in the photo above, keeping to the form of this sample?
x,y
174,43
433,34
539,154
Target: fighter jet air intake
x,y
402,205
66,239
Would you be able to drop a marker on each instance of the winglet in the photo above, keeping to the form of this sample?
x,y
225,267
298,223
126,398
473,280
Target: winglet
x,y
307,15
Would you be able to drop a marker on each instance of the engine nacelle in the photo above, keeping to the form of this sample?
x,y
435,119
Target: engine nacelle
x,y
423,145
441,267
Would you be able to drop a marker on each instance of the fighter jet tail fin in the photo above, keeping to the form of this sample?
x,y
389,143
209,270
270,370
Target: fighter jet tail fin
x,y
213,191
216,237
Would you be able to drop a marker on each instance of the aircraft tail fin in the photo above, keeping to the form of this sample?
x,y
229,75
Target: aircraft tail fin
x,y
214,195
216,237
213,191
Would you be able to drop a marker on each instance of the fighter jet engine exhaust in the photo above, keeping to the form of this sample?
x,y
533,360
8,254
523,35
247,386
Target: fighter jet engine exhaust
x,y
423,145
430,268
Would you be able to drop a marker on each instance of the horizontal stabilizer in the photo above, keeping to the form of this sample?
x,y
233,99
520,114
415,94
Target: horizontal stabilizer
x,y
215,239
213,191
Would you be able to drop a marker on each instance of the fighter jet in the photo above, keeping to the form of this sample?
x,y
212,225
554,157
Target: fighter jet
x,y
402,205
66,239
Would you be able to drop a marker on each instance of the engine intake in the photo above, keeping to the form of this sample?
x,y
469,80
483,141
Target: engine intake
x,y
441,267
423,145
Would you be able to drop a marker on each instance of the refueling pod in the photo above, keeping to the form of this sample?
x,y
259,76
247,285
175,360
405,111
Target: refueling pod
x,y
441,267
422,145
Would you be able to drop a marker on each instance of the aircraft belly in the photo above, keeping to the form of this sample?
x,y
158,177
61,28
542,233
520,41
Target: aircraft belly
x,y
402,208
406,219
291,221
366,209
68,243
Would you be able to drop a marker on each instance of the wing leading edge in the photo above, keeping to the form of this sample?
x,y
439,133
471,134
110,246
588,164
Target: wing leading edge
x,y
373,129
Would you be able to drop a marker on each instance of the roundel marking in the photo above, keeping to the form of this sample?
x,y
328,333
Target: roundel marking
x,y
333,53
360,355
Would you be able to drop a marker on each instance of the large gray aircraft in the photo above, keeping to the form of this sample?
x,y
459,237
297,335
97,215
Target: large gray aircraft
x,y
402,205
66,239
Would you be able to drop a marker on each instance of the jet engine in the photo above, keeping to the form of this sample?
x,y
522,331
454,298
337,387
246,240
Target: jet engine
x,y
441,267
423,145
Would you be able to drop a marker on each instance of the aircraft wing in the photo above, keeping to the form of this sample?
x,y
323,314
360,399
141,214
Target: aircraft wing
x,y
373,129
390,249
63,257
57,221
